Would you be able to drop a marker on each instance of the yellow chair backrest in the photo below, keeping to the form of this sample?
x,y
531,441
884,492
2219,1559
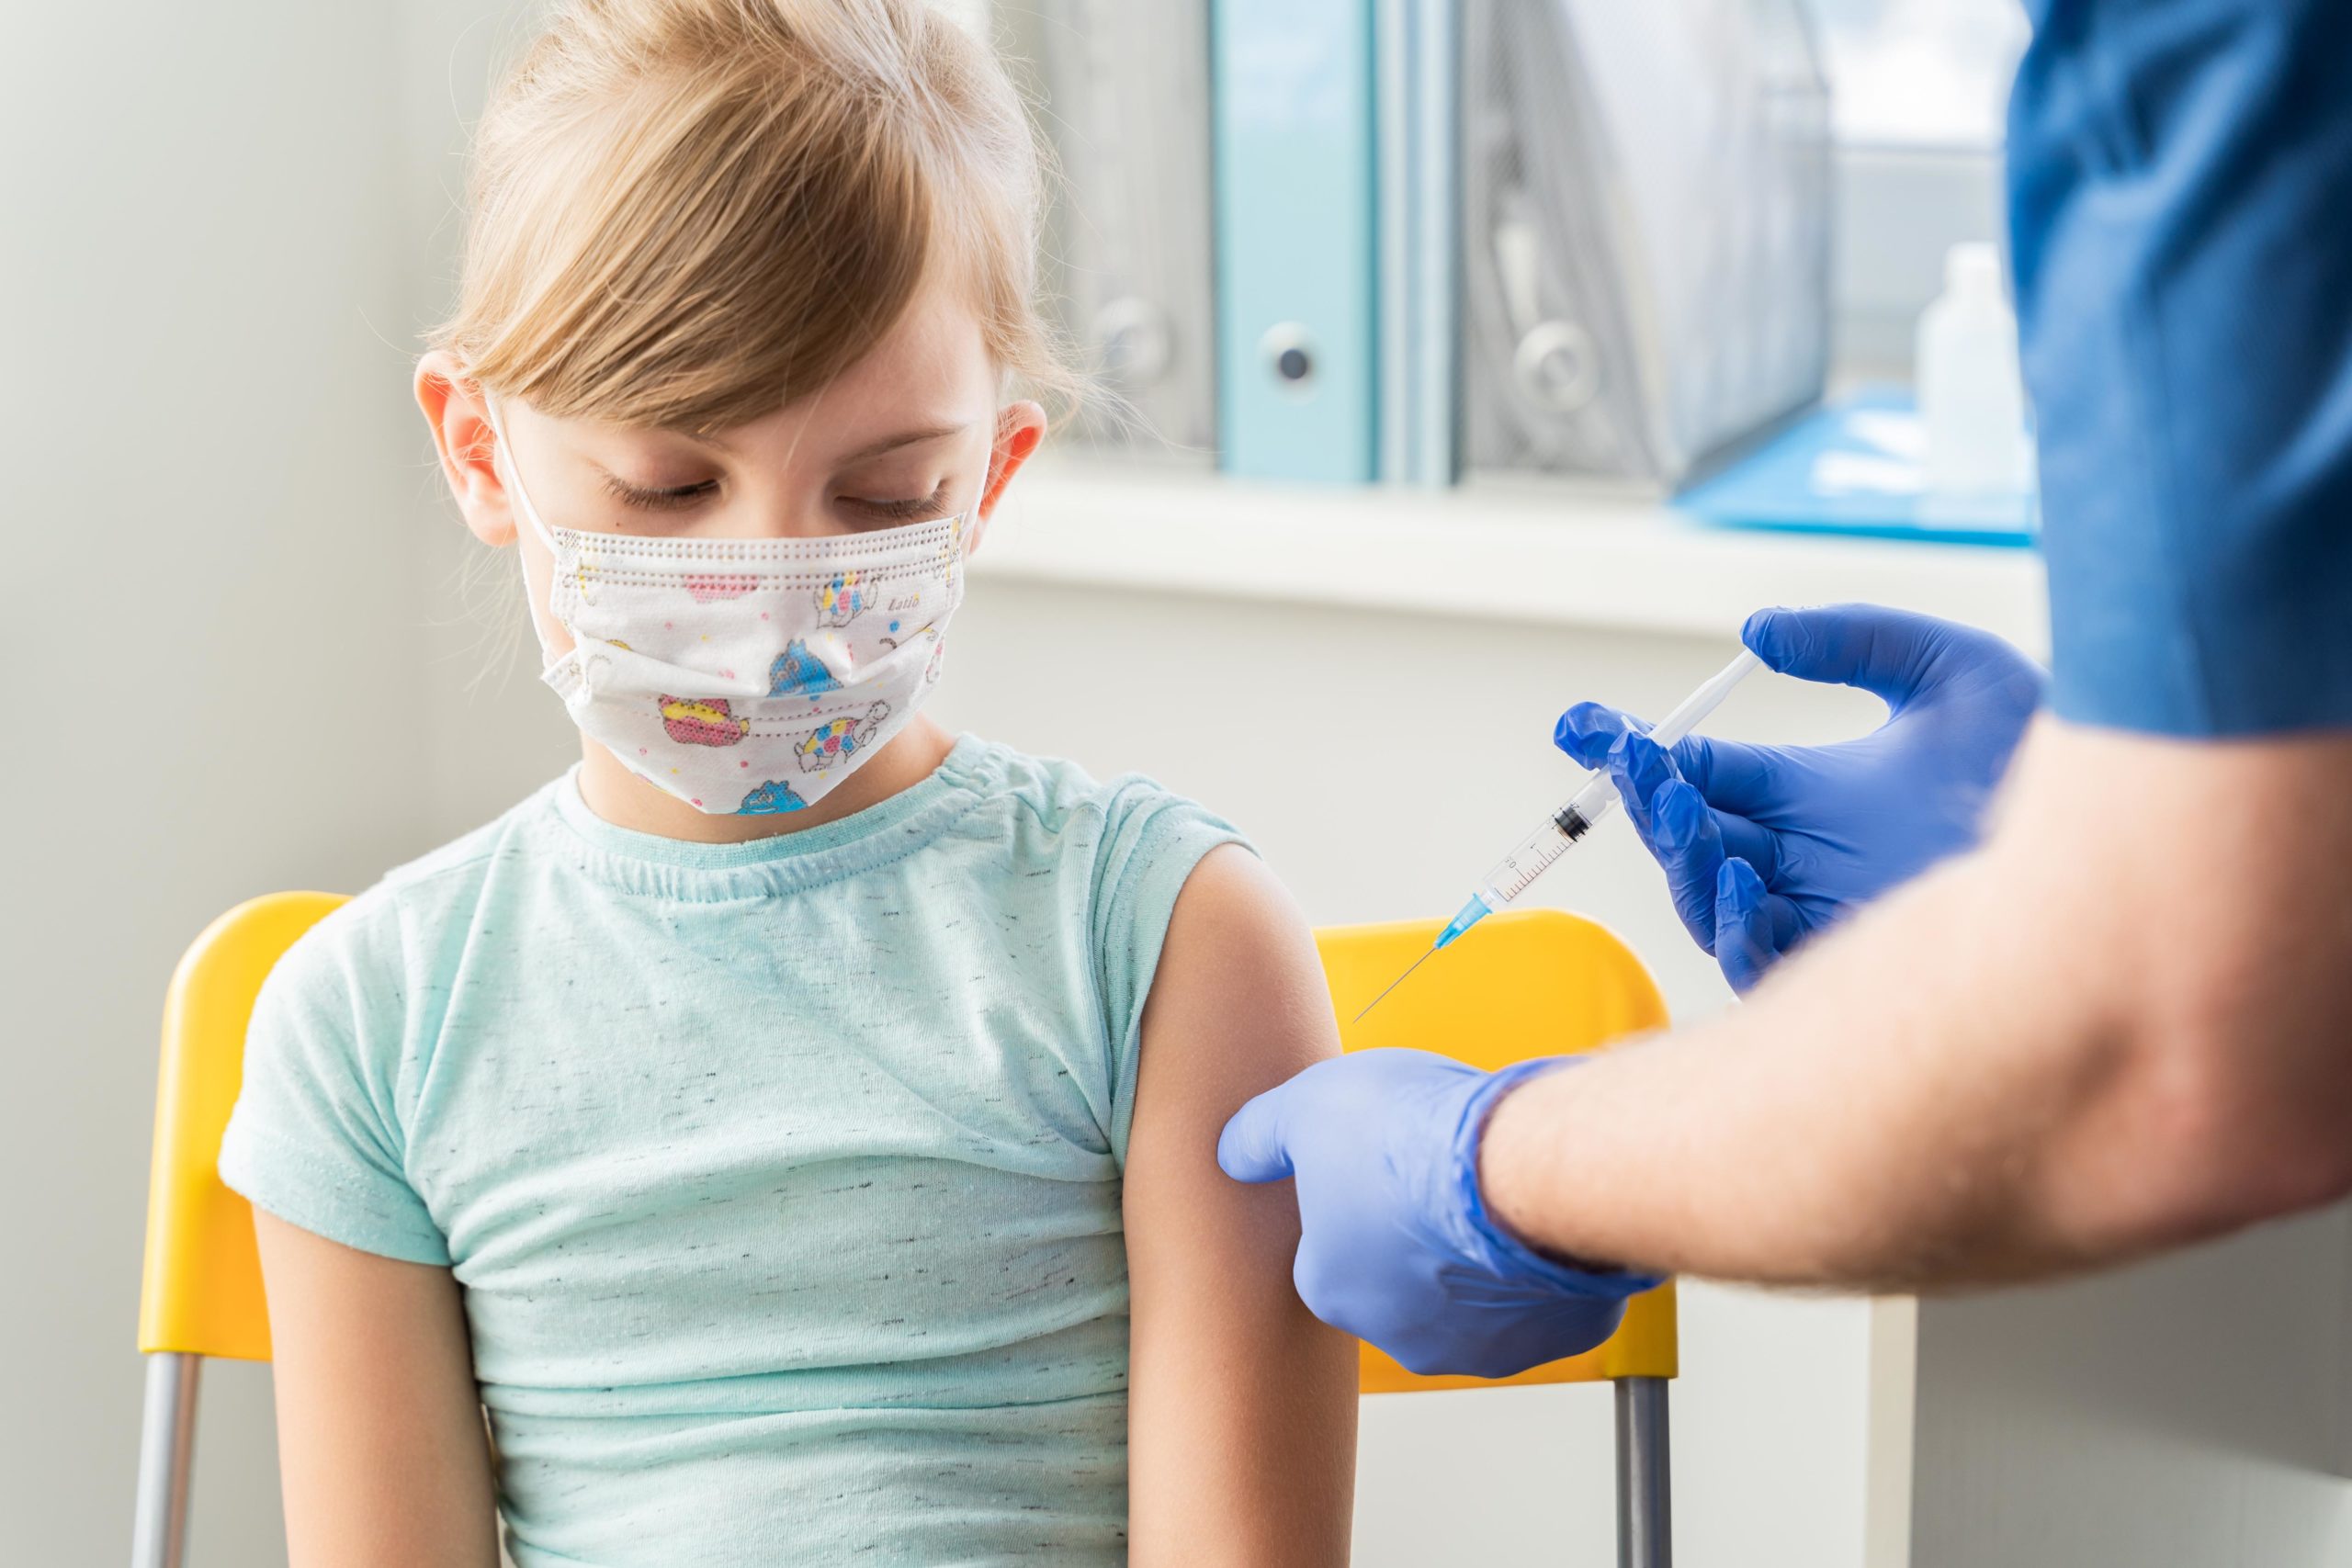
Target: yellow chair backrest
x,y
200,1290
1527,983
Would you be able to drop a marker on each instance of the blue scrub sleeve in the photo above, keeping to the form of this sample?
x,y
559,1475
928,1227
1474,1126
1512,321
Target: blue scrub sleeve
x,y
2180,192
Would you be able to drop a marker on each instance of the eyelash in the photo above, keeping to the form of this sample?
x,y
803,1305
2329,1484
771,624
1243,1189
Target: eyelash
x,y
677,498
904,511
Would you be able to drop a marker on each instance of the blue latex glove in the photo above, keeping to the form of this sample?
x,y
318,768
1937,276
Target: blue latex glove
x,y
1397,1246
1763,845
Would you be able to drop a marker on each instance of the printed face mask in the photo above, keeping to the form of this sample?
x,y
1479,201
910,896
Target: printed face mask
x,y
746,676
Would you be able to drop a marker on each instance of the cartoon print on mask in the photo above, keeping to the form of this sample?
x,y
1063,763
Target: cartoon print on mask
x,y
798,672
706,590
702,721
898,641
830,744
845,599
771,799
927,632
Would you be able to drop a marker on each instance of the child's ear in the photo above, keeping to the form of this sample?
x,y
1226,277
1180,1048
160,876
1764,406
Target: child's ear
x,y
466,444
1020,429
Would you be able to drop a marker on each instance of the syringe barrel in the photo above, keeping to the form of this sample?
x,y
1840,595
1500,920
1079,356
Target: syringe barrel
x,y
1512,875
1542,849
1588,804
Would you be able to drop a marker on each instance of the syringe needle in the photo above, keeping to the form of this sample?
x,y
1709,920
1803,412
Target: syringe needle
x,y
1541,849
1400,979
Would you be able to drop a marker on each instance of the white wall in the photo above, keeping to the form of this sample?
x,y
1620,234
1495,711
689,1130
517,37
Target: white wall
x,y
212,592
2190,1412
491,732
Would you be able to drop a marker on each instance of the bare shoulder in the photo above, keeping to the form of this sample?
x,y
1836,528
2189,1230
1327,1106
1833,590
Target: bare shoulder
x,y
1239,999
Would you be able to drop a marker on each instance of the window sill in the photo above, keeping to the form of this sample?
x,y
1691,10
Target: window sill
x,y
1515,550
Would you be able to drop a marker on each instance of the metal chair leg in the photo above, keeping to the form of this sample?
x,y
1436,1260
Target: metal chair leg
x,y
1645,1498
166,1449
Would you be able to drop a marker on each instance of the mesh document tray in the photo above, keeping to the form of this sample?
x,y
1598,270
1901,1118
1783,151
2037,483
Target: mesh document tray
x,y
1122,93
1646,199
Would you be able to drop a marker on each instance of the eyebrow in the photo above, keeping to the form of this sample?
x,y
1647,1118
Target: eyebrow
x,y
719,443
905,438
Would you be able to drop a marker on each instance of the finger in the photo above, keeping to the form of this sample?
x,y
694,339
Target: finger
x,y
1588,730
1743,943
1689,846
1739,831
1321,1287
1691,851
1640,768
1756,844
1252,1148
1753,781
1745,779
1643,773
1892,654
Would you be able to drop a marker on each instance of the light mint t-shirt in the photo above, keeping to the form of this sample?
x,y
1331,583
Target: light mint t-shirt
x,y
782,1177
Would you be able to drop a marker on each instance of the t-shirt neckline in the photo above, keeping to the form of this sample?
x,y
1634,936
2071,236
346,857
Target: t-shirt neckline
x,y
885,831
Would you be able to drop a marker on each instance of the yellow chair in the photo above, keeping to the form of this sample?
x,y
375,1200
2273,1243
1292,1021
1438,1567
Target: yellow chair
x,y
199,1292
1526,985
1528,982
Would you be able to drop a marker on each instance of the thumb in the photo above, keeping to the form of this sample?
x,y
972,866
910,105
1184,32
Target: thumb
x,y
1250,1148
1891,654
1744,943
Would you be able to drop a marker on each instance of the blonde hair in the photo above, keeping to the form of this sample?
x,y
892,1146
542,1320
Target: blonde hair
x,y
688,213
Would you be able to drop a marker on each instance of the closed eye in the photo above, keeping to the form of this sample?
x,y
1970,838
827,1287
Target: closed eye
x,y
671,498
909,510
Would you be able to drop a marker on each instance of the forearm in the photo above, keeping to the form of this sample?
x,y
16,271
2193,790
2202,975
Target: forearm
x,y
2018,1064
1811,1136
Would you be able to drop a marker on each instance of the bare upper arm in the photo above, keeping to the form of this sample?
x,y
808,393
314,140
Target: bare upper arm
x,y
380,1430
1242,1428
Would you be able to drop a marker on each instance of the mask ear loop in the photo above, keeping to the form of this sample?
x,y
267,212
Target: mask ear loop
x,y
510,473
514,474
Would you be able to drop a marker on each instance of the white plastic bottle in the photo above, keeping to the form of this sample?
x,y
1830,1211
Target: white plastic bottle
x,y
1971,399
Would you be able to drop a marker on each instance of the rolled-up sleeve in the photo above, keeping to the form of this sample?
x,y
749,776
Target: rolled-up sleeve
x,y
2181,190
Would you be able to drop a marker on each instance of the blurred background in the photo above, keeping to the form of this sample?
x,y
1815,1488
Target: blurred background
x,y
222,537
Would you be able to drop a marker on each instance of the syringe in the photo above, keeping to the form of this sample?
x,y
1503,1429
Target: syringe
x,y
1536,853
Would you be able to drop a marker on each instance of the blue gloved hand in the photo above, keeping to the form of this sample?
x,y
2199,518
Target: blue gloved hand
x,y
1763,845
1396,1247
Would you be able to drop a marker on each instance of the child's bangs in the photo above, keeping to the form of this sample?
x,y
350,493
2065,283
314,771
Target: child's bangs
x,y
733,245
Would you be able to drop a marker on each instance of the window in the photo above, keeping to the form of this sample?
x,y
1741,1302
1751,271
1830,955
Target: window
x,y
1921,73
1918,93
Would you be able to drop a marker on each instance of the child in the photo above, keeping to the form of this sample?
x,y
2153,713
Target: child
x,y
795,1126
